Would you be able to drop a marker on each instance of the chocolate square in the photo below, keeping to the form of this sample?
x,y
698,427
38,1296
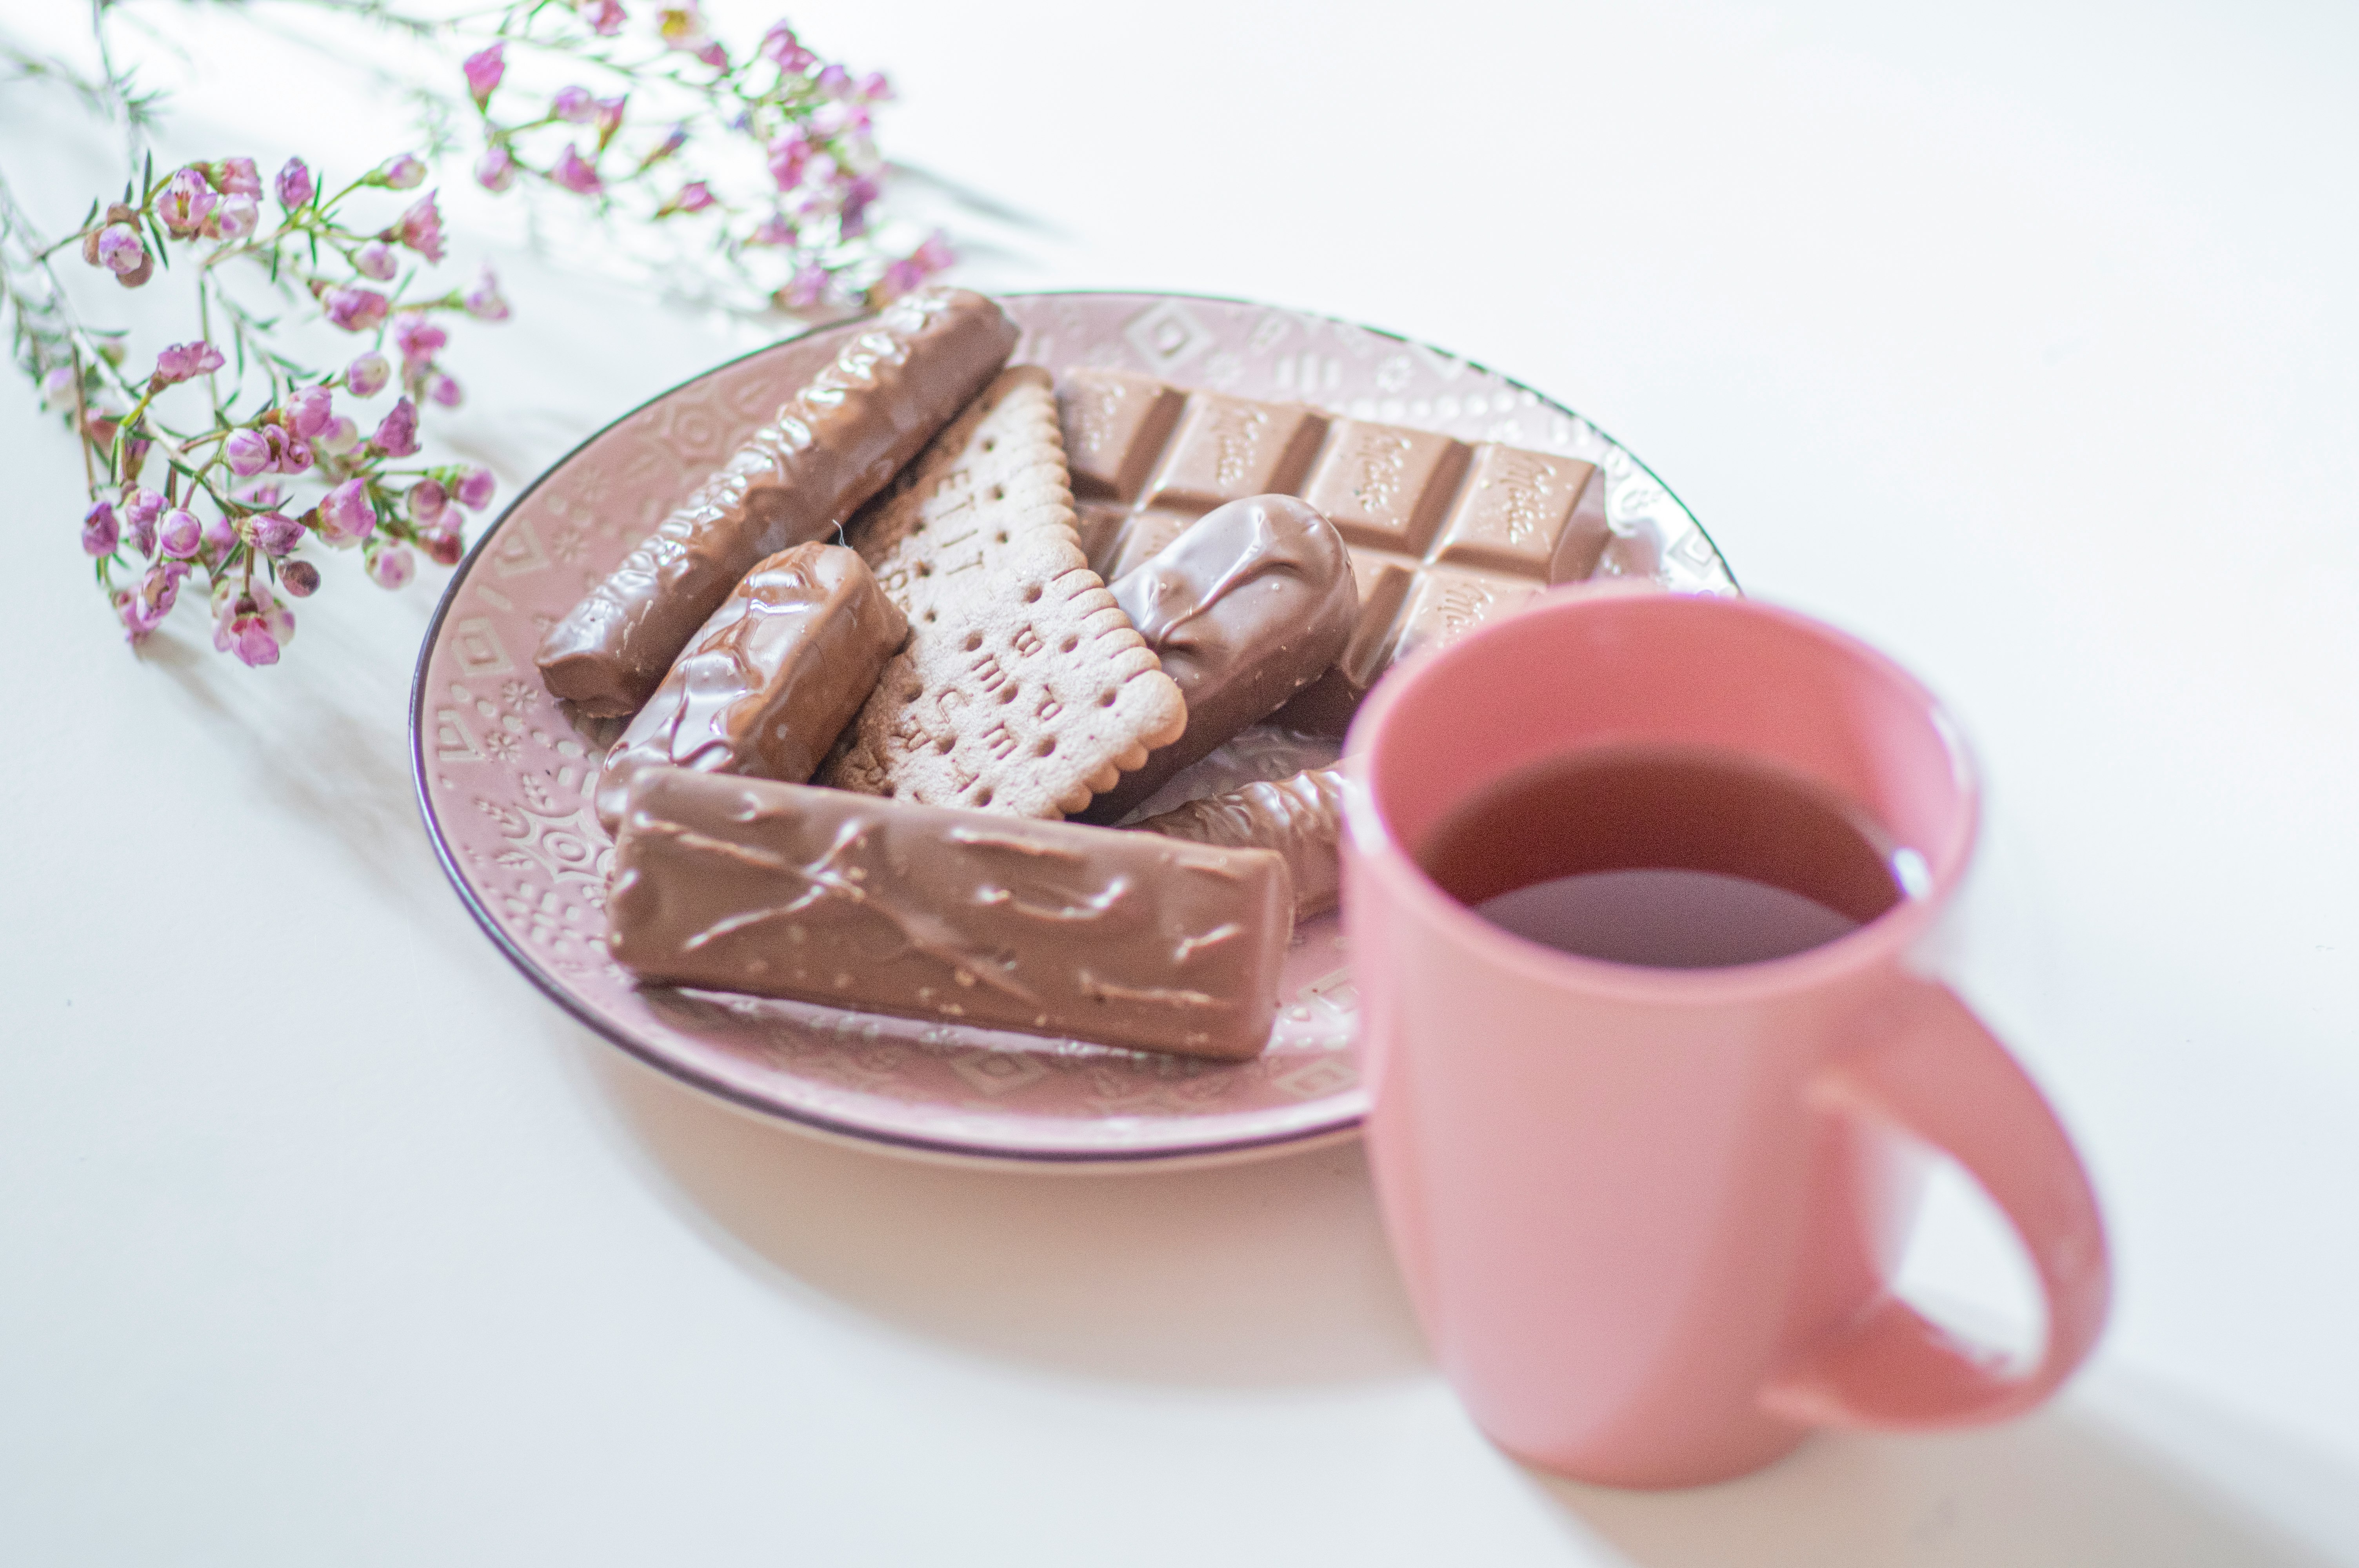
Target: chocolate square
x,y
1114,424
1228,448
1514,512
1385,487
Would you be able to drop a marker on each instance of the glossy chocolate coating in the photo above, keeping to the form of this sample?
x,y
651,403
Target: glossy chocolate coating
x,y
832,447
1245,608
1134,939
1444,536
765,688
1300,817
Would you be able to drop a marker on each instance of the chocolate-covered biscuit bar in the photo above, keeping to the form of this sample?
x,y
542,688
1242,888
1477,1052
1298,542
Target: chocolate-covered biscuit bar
x,y
1245,608
1300,817
832,447
765,688
783,889
1444,536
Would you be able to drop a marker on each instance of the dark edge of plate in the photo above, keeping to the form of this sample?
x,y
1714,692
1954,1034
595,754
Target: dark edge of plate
x,y
551,988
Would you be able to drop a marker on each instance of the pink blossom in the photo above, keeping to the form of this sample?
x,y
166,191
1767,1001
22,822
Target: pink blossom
x,y
693,197
141,508
474,488
392,568
713,55
181,534
119,250
250,623
144,607
294,184
403,171
485,68
876,88
780,48
346,515
186,204
444,390
57,386
680,25
356,309
428,501
673,141
610,119
574,105
443,544
337,437
235,218
835,81
483,301
396,436
773,229
854,221
249,452
573,173
790,156
276,532
300,578
605,16
495,170
237,176
99,530
418,338
180,362
375,260
421,228
366,375
308,411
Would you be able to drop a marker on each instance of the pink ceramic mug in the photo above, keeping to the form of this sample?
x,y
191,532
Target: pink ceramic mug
x,y
1647,1215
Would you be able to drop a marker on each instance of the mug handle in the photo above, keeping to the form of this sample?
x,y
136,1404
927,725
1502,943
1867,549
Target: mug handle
x,y
1945,1079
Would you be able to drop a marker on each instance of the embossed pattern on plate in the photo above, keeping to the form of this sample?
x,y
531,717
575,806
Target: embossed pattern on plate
x,y
504,779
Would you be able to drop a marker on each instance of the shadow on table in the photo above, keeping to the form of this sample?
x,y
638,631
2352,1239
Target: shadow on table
x,y
2068,1487
1268,1273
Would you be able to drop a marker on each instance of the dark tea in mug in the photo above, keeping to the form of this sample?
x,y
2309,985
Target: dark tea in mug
x,y
1669,857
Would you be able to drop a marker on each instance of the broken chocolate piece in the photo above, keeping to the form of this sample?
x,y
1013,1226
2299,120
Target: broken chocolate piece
x,y
1300,817
771,681
1134,939
832,447
1245,608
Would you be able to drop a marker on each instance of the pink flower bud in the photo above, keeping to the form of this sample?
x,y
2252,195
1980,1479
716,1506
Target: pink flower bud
x,y
249,452
483,70
235,218
366,375
572,172
294,451
355,309
294,184
421,228
428,501
338,437
780,48
835,81
714,55
308,411
605,16
119,250
574,104
141,508
610,119
418,338
57,386
693,197
99,530
444,390
375,260
495,170
396,437
789,155
443,544
237,176
187,201
474,488
393,567
346,515
180,362
181,534
876,88
484,301
403,171
276,532
300,578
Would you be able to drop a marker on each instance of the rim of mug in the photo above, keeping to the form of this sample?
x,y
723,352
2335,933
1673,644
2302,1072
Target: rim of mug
x,y
1887,938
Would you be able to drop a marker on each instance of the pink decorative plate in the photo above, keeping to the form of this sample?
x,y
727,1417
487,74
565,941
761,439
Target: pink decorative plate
x,y
503,775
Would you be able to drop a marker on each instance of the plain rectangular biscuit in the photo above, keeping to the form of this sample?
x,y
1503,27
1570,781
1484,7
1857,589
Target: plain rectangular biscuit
x,y
1027,697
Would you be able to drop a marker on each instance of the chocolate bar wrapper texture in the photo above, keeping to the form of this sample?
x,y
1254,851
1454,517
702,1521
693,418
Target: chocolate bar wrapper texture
x,y
1300,817
1247,606
772,679
832,445
1132,939
1444,536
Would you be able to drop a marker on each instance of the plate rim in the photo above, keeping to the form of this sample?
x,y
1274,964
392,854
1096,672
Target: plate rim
x,y
909,1145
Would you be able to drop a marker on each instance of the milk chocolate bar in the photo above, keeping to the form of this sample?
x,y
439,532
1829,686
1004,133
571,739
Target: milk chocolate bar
x,y
772,679
1300,817
1134,939
832,447
1444,536
1247,606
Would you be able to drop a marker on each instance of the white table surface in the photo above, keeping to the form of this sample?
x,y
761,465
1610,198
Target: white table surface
x,y
2017,338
